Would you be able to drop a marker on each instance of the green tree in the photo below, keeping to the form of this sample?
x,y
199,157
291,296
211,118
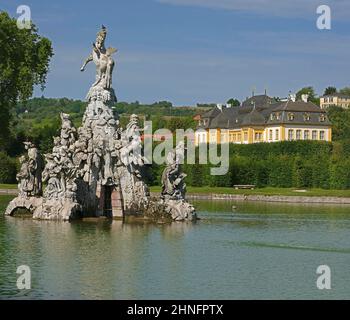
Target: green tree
x,y
158,122
234,102
7,169
345,91
340,119
329,91
25,57
180,123
311,92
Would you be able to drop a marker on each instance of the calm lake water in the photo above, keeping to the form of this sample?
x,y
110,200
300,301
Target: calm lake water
x,y
258,251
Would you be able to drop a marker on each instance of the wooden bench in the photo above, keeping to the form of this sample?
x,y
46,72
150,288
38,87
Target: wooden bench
x,y
244,186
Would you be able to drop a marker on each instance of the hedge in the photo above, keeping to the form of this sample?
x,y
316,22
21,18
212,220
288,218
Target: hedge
x,y
290,164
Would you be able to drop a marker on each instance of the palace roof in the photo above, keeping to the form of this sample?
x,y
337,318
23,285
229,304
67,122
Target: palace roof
x,y
262,111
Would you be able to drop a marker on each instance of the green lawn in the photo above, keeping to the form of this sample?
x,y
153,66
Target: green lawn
x,y
8,186
265,191
260,191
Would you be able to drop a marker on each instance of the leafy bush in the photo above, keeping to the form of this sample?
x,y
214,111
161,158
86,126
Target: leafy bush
x,y
8,168
340,174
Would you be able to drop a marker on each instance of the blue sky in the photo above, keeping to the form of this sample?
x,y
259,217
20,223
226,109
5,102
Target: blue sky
x,y
195,51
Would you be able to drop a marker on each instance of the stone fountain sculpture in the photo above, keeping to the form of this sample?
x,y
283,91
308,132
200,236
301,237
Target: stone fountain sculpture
x,y
97,169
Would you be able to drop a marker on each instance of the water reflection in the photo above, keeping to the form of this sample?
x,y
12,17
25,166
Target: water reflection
x,y
257,251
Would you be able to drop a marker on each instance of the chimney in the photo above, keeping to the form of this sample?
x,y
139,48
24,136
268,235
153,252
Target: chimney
x,y
219,106
305,97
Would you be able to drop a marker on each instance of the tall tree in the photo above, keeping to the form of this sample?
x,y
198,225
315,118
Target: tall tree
x,y
25,57
340,119
311,92
345,91
329,91
234,102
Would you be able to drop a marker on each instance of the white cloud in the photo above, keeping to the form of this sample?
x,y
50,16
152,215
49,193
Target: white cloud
x,y
284,8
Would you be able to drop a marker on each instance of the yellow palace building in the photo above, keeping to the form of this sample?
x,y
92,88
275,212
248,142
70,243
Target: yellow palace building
x,y
263,119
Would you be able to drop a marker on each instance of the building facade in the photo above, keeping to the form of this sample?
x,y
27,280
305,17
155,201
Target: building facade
x,y
262,119
337,99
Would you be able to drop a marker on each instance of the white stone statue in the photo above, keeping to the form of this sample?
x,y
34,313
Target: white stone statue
x,y
103,60
173,184
130,153
174,187
23,177
29,180
34,166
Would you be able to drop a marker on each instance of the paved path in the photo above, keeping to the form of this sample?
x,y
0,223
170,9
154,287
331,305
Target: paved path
x,y
266,198
242,197
8,192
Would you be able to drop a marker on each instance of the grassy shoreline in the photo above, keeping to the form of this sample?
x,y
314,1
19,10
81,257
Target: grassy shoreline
x,y
267,191
8,186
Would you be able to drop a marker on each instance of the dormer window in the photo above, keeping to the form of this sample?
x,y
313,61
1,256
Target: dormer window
x,y
272,117
307,117
322,118
278,116
291,116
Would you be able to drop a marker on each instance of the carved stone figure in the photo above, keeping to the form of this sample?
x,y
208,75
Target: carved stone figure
x,y
130,165
23,177
60,174
173,180
174,187
52,176
67,130
102,57
130,153
29,181
34,168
